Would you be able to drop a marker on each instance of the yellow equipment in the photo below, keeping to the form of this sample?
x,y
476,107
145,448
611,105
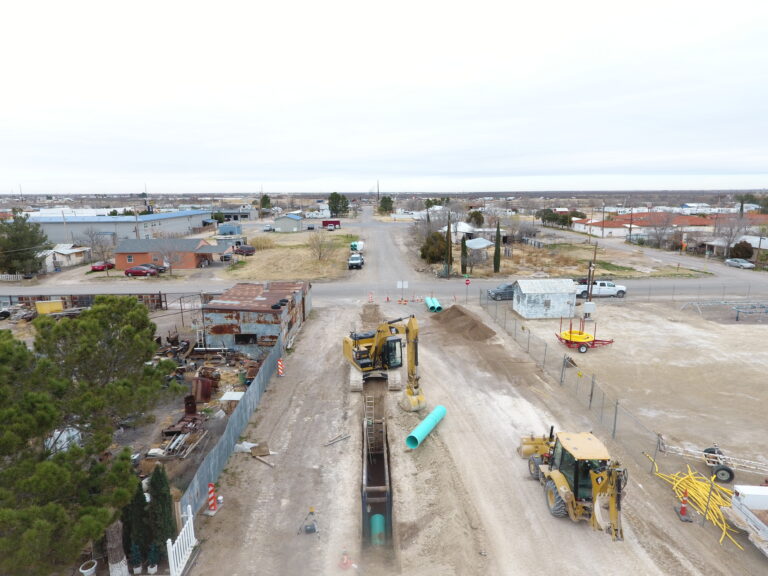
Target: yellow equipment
x,y
380,349
413,398
374,352
579,478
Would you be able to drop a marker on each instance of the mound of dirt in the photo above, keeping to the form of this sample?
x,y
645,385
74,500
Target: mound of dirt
x,y
462,322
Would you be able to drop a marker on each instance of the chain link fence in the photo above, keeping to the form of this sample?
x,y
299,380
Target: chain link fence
x,y
603,409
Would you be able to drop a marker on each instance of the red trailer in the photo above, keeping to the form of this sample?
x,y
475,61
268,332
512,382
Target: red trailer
x,y
331,224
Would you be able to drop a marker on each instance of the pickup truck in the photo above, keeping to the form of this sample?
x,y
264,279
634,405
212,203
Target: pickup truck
x,y
355,261
600,288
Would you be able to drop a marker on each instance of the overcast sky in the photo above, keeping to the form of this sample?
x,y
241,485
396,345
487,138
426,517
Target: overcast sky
x,y
323,96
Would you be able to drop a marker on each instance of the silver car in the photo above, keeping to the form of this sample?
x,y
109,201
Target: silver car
x,y
739,263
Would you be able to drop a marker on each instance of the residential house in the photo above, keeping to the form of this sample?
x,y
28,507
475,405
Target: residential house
x,y
179,253
64,256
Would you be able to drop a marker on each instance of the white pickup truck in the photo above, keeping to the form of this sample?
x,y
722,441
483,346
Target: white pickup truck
x,y
600,288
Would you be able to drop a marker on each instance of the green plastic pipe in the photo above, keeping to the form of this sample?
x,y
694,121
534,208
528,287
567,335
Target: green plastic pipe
x,y
416,437
429,302
438,308
378,530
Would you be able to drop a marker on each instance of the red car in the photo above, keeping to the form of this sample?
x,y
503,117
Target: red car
x,y
140,271
101,266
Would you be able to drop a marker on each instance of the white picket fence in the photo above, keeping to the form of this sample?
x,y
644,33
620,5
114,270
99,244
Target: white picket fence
x,y
180,551
11,277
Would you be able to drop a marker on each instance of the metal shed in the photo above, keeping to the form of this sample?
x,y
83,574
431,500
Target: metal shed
x,y
544,298
288,223
250,318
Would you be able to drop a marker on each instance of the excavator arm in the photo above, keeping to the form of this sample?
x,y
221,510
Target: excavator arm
x,y
607,487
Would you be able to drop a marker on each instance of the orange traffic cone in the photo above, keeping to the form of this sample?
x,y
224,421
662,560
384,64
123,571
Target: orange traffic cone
x,y
346,561
682,510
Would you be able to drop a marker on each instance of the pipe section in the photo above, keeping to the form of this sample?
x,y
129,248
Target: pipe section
x,y
378,530
438,308
416,437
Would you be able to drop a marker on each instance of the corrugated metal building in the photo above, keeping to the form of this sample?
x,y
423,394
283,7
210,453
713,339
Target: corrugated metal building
x,y
289,223
250,318
544,298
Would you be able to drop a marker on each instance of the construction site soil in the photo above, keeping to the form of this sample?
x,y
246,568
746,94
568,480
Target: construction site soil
x,y
463,501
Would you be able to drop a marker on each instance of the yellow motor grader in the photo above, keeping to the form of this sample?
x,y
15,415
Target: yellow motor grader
x,y
579,478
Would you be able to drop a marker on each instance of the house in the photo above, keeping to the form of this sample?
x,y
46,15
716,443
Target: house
x,y
544,298
64,256
180,253
289,223
252,318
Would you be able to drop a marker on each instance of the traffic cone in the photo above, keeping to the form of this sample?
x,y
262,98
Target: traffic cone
x,y
346,561
682,510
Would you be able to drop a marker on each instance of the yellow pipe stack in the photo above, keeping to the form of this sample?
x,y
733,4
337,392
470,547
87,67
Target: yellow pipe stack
x,y
699,487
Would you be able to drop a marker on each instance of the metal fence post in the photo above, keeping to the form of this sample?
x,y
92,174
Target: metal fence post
x,y
562,370
528,349
615,417
544,359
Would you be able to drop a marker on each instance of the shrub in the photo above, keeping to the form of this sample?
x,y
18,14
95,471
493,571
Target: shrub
x,y
742,249
434,248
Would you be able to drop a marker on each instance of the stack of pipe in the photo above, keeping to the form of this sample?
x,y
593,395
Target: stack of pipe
x,y
432,304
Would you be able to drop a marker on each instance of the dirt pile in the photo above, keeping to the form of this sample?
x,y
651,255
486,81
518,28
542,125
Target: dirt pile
x,y
462,322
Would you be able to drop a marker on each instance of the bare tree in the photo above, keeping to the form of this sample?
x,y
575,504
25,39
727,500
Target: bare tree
x,y
169,253
102,245
661,227
321,245
729,228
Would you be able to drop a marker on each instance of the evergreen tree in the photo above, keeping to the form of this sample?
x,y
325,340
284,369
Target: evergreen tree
x,y
338,205
448,248
21,244
464,255
85,374
135,526
386,205
497,250
161,522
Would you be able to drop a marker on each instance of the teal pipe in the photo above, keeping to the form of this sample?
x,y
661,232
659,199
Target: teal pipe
x,y
430,305
378,530
438,308
426,426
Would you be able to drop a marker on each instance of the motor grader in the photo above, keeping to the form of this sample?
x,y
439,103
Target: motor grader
x,y
378,353
579,478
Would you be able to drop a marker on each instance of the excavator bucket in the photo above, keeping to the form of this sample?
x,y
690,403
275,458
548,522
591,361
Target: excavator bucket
x,y
413,400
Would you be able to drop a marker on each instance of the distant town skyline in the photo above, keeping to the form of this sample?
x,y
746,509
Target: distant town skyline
x,y
427,97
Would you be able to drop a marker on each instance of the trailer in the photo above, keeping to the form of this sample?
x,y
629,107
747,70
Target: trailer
x,y
332,224
579,339
722,466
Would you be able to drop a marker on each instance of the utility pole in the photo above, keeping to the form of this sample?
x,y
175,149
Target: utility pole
x,y
602,224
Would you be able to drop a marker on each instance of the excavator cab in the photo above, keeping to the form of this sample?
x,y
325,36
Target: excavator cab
x,y
392,352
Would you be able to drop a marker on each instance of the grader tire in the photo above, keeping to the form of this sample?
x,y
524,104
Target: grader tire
x,y
554,501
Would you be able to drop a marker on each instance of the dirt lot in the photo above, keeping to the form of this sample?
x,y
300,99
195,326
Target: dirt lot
x,y
463,502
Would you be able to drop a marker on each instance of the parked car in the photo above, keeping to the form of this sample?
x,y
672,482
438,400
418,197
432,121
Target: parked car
x,y
310,226
140,271
160,268
244,250
226,257
501,292
268,228
355,261
101,266
739,263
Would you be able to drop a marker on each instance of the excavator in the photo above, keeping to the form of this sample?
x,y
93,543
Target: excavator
x,y
376,352
579,478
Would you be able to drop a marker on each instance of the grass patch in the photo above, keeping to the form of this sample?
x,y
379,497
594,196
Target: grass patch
x,y
262,243
238,265
611,267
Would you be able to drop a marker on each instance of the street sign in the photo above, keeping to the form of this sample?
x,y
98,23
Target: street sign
x,y
466,281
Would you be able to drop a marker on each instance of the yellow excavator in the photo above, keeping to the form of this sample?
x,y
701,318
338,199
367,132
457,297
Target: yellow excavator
x,y
579,477
375,352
